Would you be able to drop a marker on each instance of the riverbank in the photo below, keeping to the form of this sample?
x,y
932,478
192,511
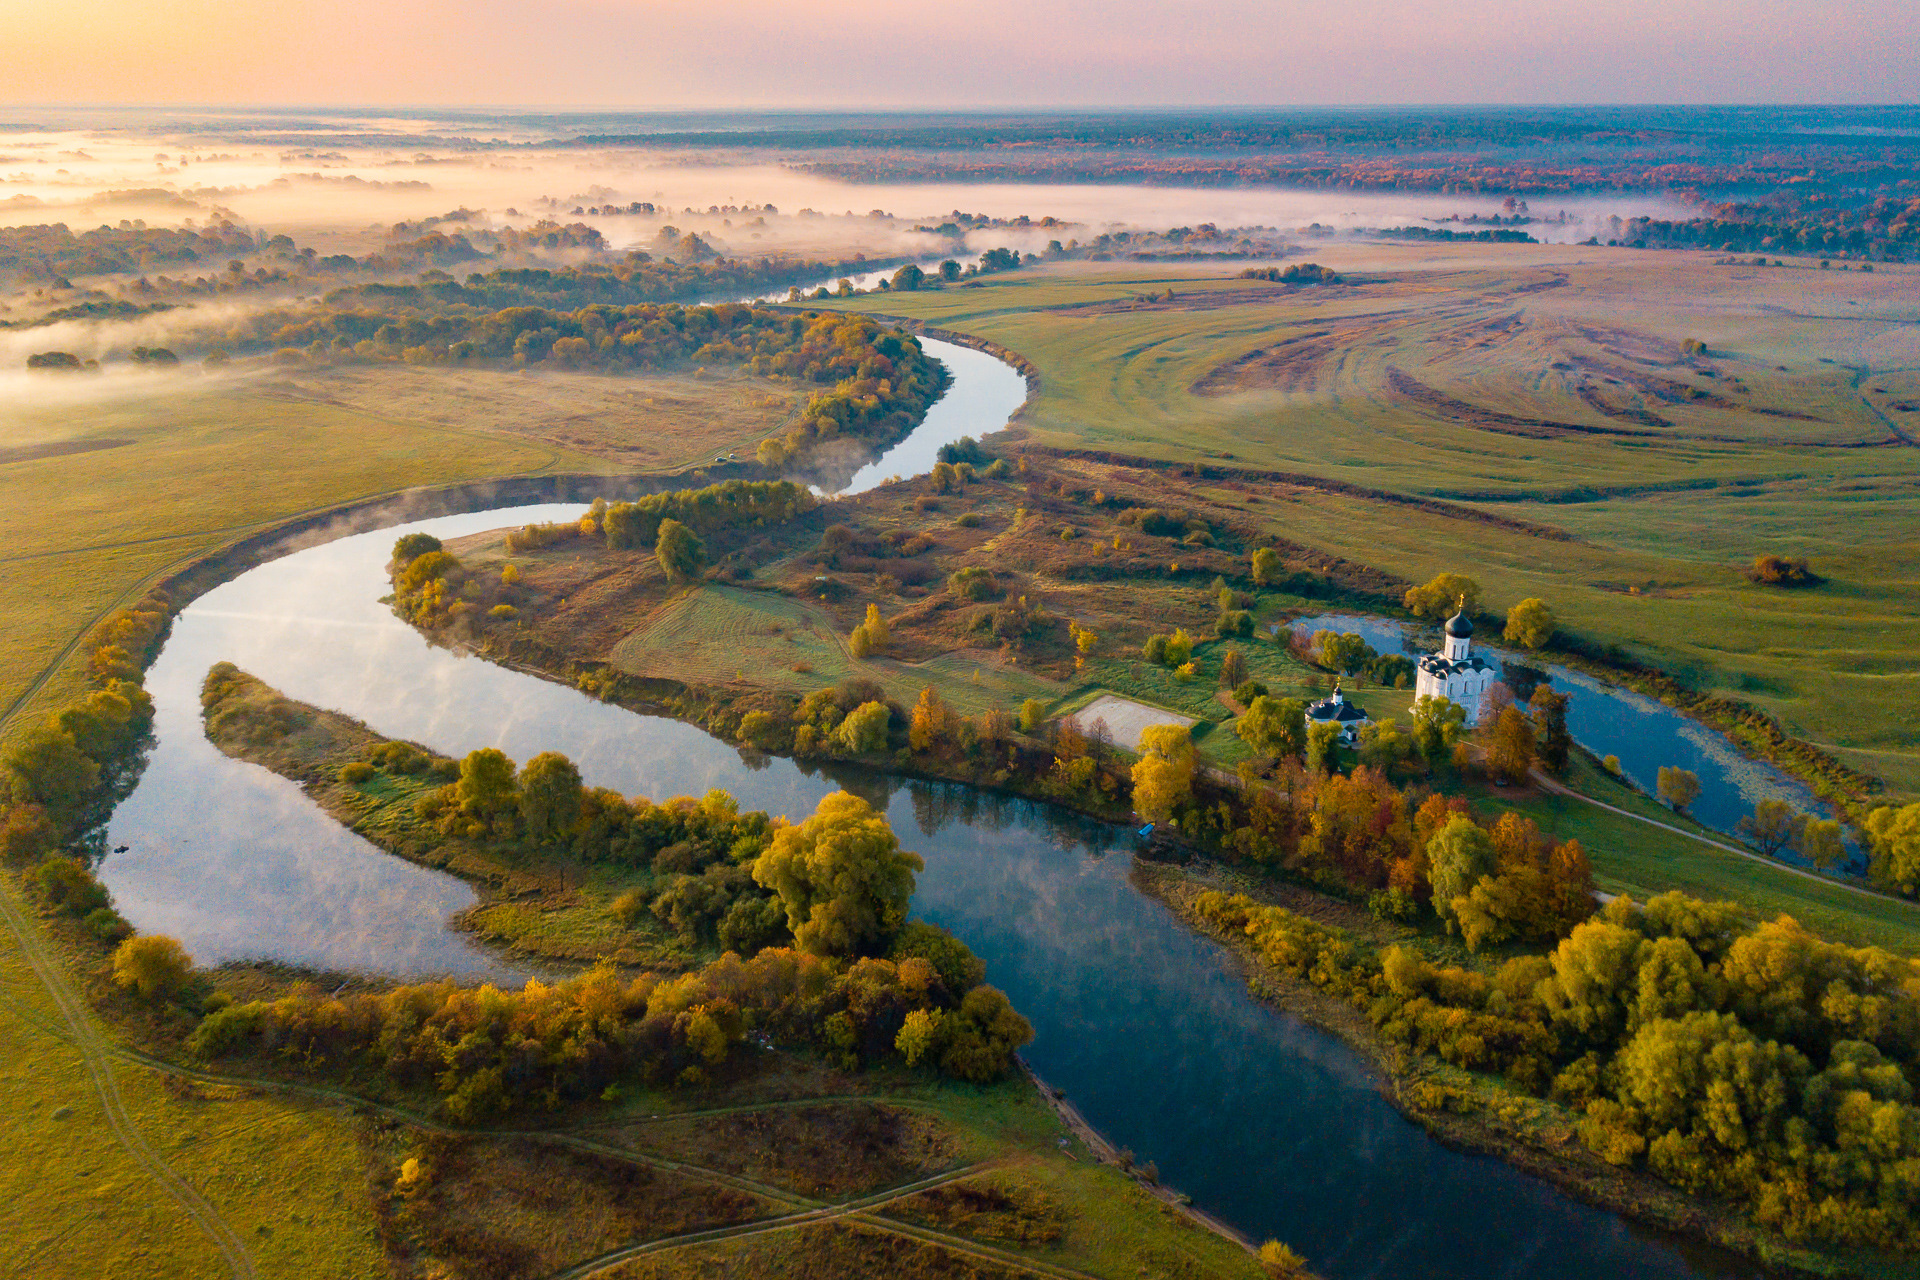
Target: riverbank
x,y
1481,1113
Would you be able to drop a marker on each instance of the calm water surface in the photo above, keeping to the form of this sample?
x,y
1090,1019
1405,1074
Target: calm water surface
x,y
1270,1124
1643,732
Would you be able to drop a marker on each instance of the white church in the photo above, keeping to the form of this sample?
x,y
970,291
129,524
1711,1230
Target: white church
x,y
1455,673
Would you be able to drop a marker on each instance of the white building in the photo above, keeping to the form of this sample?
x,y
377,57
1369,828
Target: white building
x,y
1455,673
1338,711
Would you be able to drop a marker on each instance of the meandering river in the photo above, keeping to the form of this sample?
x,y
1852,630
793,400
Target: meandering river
x,y
1270,1124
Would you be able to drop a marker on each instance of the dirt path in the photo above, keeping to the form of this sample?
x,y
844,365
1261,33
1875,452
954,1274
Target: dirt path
x,y
96,1052
1546,783
803,1210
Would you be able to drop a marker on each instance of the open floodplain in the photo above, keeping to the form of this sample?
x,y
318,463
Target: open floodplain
x,y
1619,433
1550,385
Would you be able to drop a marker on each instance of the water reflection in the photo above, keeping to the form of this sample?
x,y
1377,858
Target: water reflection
x,y
1643,732
1263,1120
1270,1124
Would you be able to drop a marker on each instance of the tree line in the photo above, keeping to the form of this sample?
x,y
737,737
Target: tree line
x,y
1755,1063
819,950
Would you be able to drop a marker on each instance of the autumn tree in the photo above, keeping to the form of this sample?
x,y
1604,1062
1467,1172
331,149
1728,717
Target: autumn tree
x,y
1894,836
932,723
864,730
549,795
1530,623
1233,668
1440,597
983,1034
680,553
1549,710
871,636
1266,566
154,965
1510,751
842,877
1677,787
49,769
1163,777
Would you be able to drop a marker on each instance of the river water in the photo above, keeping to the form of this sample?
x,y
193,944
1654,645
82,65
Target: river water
x,y
1263,1120
1644,733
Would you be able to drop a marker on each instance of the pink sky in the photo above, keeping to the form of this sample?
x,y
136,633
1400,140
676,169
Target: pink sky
x,y
990,53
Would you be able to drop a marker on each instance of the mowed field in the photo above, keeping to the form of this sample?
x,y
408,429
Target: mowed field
x,y
1549,384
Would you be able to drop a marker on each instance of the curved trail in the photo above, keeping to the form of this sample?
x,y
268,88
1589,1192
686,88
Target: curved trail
x,y
95,1051
1548,784
804,1210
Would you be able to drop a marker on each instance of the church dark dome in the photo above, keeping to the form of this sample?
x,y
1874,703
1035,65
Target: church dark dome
x,y
1458,627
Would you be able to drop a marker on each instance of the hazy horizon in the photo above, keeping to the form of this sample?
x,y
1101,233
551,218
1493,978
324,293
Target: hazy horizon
x,y
1039,54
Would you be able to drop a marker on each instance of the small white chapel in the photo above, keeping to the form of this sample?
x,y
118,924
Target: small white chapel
x,y
1456,673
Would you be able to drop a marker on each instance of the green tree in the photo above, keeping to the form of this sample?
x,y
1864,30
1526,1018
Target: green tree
x,y
411,546
1458,855
1266,566
1530,623
1770,827
1677,787
681,555
49,769
1163,776
1033,713
1437,723
549,796
864,730
1440,597
842,877
919,1033
1179,651
1274,727
1323,740
984,1034
485,788
909,278
154,965
1549,711
949,270
1820,842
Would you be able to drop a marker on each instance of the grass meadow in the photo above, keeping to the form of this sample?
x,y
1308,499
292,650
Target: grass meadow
x,y
1545,383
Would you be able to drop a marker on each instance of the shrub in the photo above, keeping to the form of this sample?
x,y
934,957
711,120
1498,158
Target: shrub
x,y
1781,571
971,520
1033,712
972,583
504,611
65,883
356,772
155,965
1247,690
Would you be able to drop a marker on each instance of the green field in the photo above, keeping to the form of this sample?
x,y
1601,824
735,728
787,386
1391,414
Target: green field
x,y
723,635
1537,374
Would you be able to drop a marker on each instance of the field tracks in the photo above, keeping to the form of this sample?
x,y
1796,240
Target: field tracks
x,y
96,1053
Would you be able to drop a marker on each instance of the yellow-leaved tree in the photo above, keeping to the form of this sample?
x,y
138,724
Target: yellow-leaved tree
x,y
1163,778
842,877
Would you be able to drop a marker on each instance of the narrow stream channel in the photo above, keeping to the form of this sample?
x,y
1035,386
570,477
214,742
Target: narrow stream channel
x,y
1265,1121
